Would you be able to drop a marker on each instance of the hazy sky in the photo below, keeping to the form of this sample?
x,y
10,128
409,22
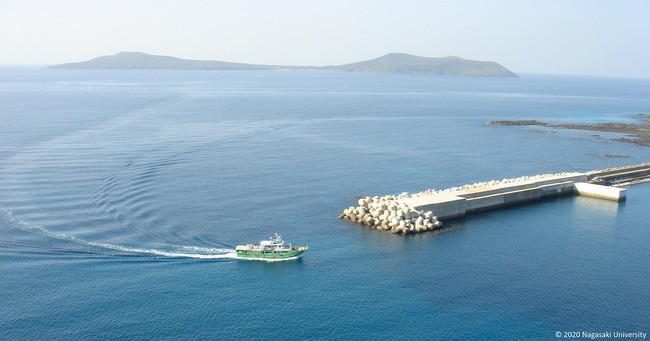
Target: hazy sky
x,y
587,37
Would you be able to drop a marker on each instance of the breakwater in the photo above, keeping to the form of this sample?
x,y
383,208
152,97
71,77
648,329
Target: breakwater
x,y
621,176
423,211
387,214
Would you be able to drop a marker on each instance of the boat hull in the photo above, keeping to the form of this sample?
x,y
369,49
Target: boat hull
x,y
271,254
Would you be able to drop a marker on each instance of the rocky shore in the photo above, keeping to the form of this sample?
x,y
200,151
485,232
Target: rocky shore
x,y
639,132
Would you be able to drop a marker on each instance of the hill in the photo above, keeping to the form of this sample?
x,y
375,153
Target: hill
x,y
139,60
390,63
410,64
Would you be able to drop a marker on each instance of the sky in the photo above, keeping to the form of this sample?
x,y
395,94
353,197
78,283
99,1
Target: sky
x,y
576,37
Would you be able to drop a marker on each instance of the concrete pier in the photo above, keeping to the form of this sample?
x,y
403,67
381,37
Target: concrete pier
x,y
414,213
598,184
600,191
448,205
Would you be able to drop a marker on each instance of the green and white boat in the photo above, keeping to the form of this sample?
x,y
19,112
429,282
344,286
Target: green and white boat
x,y
272,249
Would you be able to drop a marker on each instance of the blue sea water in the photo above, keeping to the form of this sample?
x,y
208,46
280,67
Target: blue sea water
x,y
122,194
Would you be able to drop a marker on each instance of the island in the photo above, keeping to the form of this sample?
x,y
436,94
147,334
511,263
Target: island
x,y
392,63
409,64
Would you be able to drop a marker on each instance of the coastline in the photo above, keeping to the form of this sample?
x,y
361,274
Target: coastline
x,y
639,132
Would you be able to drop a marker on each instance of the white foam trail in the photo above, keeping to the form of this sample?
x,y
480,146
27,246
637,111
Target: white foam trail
x,y
198,252
206,249
223,253
25,225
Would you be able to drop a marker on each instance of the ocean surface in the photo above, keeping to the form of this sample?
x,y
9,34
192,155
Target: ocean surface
x,y
124,193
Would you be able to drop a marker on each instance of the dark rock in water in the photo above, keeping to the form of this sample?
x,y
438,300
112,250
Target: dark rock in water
x,y
518,123
614,156
639,132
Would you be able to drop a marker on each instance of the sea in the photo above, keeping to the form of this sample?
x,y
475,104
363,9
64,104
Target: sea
x,y
124,193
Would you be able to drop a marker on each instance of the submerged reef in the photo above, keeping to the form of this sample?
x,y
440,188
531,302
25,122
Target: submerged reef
x,y
638,133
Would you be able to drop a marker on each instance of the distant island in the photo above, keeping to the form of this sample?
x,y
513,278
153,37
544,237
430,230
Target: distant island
x,y
395,63
409,64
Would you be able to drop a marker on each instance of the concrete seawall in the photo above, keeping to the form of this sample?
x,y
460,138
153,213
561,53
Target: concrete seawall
x,y
460,201
455,204
599,191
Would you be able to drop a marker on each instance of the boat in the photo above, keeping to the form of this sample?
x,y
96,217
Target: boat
x,y
274,248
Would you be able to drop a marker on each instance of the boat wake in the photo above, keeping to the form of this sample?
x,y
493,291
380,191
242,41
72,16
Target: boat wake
x,y
197,252
210,253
